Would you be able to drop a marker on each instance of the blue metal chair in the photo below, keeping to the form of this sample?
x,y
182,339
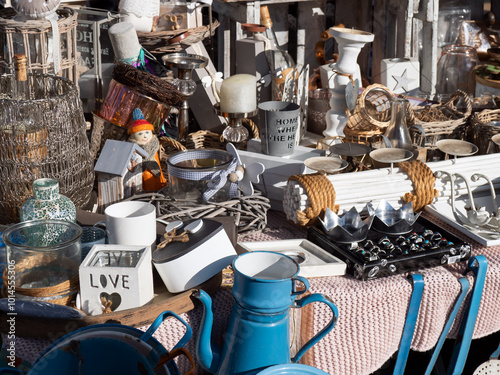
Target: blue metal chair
x,y
411,320
478,265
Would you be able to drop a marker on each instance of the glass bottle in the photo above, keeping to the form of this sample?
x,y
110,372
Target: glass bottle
x,y
20,86
21,92
397,132
283,69
47,203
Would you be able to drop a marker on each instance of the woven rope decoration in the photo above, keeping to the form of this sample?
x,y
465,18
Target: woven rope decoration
x,y
321,194
423,184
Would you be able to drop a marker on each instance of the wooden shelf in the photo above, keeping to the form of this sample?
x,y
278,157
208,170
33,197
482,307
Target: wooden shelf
x,y
52,328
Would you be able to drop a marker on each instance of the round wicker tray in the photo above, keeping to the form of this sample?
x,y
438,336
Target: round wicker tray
x,y
157,42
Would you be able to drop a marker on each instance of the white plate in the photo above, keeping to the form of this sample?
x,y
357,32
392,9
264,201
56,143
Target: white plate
x,y
314,261
442,210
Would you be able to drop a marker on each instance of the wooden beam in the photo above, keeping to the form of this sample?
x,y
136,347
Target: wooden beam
x,y
380,27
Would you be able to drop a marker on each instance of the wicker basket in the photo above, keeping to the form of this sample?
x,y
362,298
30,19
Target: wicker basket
x,y
371,115
17,36
481,130
158,42
358,136
441,120
373,110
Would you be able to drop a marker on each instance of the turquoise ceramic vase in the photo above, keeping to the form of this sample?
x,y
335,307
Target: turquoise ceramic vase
x,y
47,203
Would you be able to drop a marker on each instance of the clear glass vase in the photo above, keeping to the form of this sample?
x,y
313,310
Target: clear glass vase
x,y
455,70
397,132
190,173
46,256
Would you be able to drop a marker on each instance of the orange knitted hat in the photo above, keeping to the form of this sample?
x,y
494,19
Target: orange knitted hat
x,y
139,122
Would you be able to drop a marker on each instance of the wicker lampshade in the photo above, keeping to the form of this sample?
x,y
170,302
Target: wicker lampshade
x,y
44,137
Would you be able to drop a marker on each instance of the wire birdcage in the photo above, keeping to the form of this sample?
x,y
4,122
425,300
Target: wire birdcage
x,y
42,137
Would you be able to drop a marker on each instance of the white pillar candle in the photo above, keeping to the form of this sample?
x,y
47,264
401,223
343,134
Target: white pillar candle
x,y
124,41
238,94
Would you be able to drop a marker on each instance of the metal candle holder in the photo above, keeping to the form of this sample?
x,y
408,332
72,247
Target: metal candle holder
x,y
391,156
235,131
346,228
185,64
350,151
456,147
390,220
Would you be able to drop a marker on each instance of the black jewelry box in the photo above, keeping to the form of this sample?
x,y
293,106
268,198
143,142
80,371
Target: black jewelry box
x,y
379,255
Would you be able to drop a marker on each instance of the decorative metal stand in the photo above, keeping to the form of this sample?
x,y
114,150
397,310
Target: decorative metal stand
x,y
326,164
476,218
456,147
391,156
351,152
185,63
235,131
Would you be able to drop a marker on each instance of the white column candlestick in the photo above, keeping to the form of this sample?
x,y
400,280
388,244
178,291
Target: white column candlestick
x,y
238,94
350,42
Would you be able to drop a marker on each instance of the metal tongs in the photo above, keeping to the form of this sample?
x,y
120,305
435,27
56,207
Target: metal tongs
x,y
481,219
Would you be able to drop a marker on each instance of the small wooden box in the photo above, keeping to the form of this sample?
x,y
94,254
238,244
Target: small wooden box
x,y
122,275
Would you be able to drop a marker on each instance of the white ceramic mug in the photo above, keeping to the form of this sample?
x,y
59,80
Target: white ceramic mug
x,y
131,223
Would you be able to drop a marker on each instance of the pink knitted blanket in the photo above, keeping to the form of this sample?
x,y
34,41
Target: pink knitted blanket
x,y
371,313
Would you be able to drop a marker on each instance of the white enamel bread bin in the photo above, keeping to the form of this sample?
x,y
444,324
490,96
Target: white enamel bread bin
x,y
185,265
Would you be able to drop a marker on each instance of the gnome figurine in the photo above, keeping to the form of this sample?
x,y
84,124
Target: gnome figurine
x,y
141,133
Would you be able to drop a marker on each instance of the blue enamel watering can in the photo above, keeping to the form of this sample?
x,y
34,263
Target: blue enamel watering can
x,y
265,288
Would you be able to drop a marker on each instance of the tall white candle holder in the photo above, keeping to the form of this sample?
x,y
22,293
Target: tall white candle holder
x,y
238,100
235,132
346,73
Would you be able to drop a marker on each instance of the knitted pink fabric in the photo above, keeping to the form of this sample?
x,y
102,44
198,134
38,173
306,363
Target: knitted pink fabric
x,y
371,313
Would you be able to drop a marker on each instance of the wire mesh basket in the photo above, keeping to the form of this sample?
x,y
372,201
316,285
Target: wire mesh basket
x,y
43,137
